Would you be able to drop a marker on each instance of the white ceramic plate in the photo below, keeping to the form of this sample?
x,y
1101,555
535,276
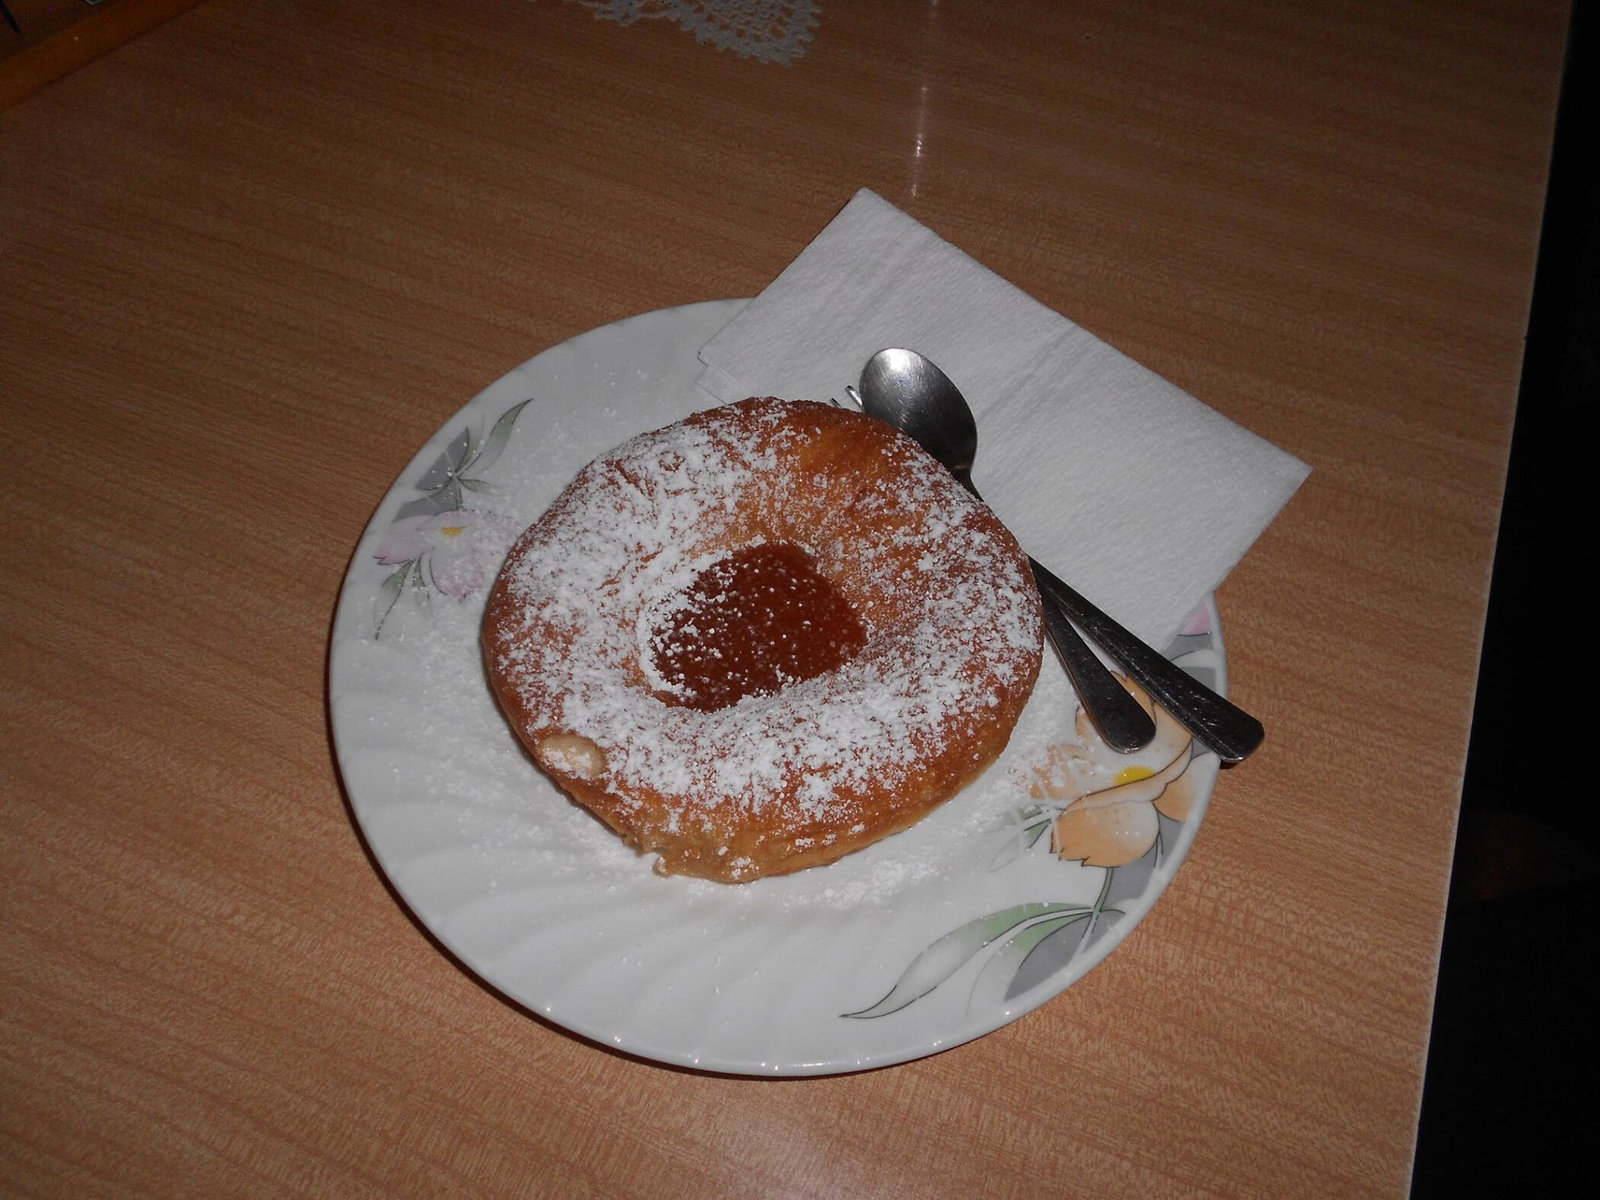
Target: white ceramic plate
x,y
989,907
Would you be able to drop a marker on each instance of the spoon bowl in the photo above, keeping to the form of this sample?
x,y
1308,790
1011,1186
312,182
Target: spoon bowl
x,y
907,390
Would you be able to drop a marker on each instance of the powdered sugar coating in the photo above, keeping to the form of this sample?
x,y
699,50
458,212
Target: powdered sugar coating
x,y
825,765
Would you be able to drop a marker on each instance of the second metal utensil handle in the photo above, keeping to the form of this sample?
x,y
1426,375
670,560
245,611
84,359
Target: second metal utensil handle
x,y
1220,724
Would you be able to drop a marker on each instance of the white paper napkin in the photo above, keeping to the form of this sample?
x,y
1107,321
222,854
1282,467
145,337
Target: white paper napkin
x,y
1127,487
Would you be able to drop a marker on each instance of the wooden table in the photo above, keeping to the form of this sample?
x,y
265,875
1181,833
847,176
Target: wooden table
x,y
250,261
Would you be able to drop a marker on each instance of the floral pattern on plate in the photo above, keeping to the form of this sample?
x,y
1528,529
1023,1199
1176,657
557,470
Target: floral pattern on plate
x,y
1103,810
434,543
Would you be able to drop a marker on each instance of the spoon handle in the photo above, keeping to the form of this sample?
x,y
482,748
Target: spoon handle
x,y
1225,727
1121,720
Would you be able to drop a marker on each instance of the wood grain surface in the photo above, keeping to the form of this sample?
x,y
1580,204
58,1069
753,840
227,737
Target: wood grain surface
x,y
252,260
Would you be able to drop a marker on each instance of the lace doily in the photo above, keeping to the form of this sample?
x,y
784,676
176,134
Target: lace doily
x,y
770,30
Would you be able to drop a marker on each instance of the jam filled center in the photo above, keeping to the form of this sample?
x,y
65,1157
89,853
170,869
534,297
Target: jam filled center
x,y
754,621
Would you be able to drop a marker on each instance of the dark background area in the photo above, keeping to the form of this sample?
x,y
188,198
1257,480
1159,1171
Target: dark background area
x,y
1509,1102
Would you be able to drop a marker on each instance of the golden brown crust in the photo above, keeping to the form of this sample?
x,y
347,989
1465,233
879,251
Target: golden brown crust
x,y
823,767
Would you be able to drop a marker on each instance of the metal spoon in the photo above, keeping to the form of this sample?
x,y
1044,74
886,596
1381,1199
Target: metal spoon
x,y
910,393
907,390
